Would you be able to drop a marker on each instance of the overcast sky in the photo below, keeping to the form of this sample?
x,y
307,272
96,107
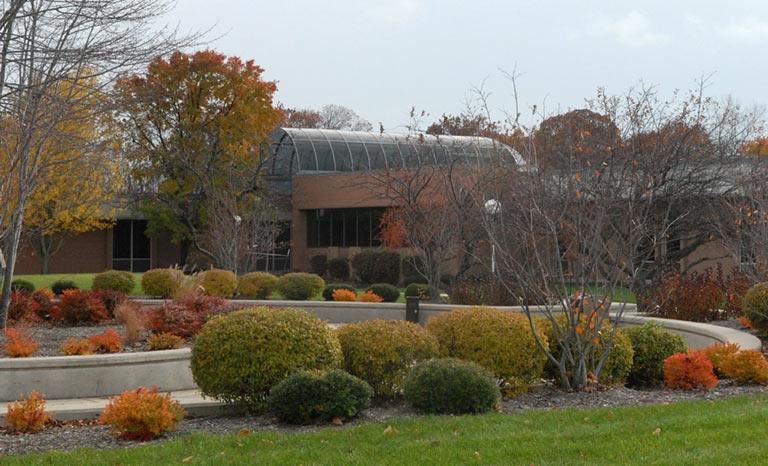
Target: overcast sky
x,y
381,57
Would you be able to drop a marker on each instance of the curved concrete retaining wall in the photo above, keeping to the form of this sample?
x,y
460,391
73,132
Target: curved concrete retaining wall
x,y
109,374
95,376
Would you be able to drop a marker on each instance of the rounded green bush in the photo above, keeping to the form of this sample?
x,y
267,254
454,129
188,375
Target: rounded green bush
x,y
238,357
115,280
23,286
256,285
219,282
651,345
60,285
300,286
311,396
389,292
451,386
382,351
500,341
329,289
417,289
617,364
161,283
755,305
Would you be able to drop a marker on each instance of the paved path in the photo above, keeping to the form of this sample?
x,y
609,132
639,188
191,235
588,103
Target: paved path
x,y
89,408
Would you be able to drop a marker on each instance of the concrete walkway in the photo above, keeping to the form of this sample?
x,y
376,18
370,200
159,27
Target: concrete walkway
x,y
90,408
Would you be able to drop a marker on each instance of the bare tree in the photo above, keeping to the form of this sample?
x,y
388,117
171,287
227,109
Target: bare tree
x,y
49,47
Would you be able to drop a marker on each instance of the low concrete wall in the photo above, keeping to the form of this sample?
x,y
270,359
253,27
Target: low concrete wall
x,y
63,377
100,375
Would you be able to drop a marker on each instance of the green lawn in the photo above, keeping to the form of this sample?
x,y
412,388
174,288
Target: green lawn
x,y
82,280
728,431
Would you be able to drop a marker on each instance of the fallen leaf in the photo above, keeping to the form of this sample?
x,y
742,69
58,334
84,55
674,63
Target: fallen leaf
x,y
244,433
610,415
337,421
657,432
187,459
477,454
390,430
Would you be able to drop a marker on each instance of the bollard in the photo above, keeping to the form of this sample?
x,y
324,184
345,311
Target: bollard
x,y
412,309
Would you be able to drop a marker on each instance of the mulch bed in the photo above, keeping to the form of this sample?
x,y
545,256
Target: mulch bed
x,y
79,434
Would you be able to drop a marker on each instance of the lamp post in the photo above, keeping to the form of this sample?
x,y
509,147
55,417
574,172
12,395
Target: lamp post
x,y
238,220
492,208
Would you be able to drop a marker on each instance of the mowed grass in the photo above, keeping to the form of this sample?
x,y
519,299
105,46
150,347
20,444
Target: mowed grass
x,y
730,431
82,280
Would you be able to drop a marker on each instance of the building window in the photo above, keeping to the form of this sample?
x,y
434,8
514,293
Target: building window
x,y
130,246
343,227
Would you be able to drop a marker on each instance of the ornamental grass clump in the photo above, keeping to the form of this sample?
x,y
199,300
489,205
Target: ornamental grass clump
x,y
381,352
451,386
142,414
27,415
688,371
313,396
238,357
501,342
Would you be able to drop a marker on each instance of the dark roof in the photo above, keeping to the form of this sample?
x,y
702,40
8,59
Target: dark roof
x,y
300,150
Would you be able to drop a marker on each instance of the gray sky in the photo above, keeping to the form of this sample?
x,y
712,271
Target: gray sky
x,y
381,57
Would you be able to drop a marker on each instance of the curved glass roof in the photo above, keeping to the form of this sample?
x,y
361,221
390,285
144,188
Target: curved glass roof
x,y
298,150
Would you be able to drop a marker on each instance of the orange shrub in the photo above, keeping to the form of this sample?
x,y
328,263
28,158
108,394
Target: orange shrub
x,y
745,322
747,366
108,341
75,347
718,352
27,415
142,414
688,371
164,341
370,297
18,344
344,295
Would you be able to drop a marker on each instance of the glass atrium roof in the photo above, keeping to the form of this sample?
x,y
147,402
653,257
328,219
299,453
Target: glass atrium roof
x,y
298,150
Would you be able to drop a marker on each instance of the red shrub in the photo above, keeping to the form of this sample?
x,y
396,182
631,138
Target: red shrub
x,y
22,307
78,306
370,297
344,295
698,297
110,299
688,371
27,415
747,366
45,307
18,344
184,317
142,414
108,341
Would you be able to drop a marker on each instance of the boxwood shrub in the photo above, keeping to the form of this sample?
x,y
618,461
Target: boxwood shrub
x,y
329,289
218,282
22,286
651,345
389,292
377,267
161,283
115,280
501,342
451,386
300,286
256,285
238,357
311,396
417,289
382,351
755,305
60,285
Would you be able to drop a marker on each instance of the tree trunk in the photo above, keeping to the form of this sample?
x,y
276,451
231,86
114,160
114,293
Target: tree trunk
x,y
12,246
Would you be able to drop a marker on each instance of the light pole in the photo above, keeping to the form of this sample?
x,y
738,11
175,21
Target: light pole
x,y
492,208
238,220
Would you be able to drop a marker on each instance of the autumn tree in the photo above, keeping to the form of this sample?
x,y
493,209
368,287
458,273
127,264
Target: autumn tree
x,y
44,44
331,116
194,126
